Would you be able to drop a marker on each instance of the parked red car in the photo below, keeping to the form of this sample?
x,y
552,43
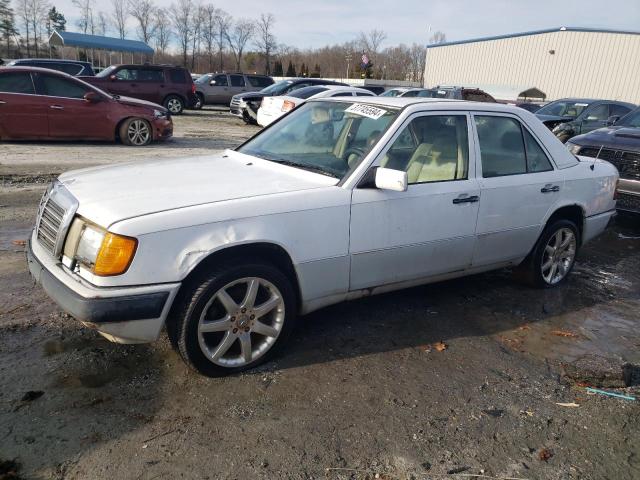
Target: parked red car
x,y
42,104
165,85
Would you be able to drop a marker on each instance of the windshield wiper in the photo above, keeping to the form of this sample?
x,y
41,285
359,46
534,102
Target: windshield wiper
x,y
303,166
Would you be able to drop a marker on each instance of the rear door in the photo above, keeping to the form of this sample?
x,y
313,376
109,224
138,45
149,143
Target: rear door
x,y
257,82
519,186
69,115
150,84
236,85
23,114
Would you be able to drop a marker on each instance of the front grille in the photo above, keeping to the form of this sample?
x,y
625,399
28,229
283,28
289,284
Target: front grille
x,y
235,103
630,203
49,225
627,163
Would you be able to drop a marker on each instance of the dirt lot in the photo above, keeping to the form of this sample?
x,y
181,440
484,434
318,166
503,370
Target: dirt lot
x,y
363,391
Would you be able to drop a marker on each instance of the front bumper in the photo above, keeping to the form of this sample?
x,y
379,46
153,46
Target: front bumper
x,y
122,314
628,195
163,128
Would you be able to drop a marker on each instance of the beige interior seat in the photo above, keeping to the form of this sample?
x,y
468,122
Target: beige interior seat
x,y
434,162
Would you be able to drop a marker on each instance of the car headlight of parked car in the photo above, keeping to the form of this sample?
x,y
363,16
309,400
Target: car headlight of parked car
x,y
159,114
101,252
573,148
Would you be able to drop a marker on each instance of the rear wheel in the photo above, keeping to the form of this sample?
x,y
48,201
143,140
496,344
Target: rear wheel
x,y
136,132
174,104
234,318
553,256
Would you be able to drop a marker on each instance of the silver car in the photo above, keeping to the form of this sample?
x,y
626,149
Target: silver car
x,y
218,88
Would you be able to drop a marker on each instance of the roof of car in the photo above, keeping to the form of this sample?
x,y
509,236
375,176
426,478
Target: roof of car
x,y
21,68
46,60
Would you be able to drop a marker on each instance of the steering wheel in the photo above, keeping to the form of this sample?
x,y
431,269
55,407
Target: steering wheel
x,y
357,150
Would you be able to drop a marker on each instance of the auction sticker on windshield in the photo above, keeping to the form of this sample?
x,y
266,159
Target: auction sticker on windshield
x,y
366,110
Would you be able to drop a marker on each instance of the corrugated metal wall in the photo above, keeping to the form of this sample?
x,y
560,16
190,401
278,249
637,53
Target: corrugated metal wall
x,y
585,64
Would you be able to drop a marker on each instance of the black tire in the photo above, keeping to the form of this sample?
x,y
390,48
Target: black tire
x,y
182,326
199,102
174,104
128,128
531,269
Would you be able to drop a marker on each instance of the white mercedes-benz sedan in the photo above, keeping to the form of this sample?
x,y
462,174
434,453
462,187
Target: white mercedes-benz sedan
x,y
272,108
339,199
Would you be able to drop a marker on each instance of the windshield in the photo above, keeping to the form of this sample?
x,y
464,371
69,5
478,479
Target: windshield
x,y
428,93
326,137
630,120
394,92
203,79
106,72
563,108
276,88
307,92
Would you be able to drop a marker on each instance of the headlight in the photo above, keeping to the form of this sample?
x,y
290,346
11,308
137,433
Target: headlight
x,y
159,114
101,252
573,148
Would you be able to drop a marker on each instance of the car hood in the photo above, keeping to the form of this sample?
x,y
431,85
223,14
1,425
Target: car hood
x,y
553,118
136,102
251,95
109,194
620,137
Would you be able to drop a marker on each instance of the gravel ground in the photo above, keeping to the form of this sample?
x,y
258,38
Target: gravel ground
x,y
366,389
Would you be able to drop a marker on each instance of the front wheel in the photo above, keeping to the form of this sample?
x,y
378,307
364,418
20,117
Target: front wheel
x,y
553,256
136,132
233,319
174,104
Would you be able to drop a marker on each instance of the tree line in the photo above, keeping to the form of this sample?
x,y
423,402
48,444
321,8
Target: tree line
x,y
205,38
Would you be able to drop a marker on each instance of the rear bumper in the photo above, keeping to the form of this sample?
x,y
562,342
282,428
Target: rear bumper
x,y
122,314
597,224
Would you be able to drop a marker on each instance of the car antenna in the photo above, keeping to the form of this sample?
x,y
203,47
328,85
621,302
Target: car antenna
x,y
593,165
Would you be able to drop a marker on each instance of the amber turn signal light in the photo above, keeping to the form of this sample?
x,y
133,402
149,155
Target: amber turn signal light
x,y
115,256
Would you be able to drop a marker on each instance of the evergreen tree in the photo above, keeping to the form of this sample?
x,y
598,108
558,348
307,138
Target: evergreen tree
x,y
316,71
7,24
277,69
291,71
55,21
303,72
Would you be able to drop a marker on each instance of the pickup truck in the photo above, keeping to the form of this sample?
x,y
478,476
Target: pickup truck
x,y
339,199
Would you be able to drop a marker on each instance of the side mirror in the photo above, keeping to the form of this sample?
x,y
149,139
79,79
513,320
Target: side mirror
x,y
613,119
113,78
91,97
212,83
389,179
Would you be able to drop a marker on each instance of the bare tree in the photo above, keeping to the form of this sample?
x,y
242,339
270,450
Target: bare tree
x,y
102,24
37,12
223,24
196,21
143,12
85,18
23,10
162,29
209,30
238,36
370,42
438,37
180,14
119,16
266,40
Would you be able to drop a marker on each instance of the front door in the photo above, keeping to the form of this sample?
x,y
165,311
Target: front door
x,y
217,90
23,114
430,228
69,115
519,187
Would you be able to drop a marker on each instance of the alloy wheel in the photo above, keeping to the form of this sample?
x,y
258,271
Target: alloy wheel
x,y
174,105
241,322
558,256
138,132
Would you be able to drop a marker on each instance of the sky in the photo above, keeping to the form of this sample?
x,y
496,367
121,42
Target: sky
x,y
317,23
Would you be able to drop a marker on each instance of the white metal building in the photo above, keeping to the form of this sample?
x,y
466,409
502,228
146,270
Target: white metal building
x,y
561,62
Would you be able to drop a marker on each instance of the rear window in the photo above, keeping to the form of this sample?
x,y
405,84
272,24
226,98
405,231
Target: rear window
x,y
307,92
237,80
178,76
150,75
259,82
16,82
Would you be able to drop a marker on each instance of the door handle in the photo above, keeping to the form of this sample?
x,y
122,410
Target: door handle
x,y
56,107
471,199
2,102
548,188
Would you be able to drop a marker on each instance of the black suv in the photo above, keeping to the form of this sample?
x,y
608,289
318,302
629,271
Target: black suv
x,y
71,67
619,144
246,105
165,85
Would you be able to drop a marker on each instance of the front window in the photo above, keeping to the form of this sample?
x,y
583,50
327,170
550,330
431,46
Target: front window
x,y
331,138
62,87
631,120
307,92
563,108
106,72
204,79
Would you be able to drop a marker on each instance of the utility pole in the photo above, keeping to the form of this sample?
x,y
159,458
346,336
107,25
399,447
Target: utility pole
x,y
348,59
